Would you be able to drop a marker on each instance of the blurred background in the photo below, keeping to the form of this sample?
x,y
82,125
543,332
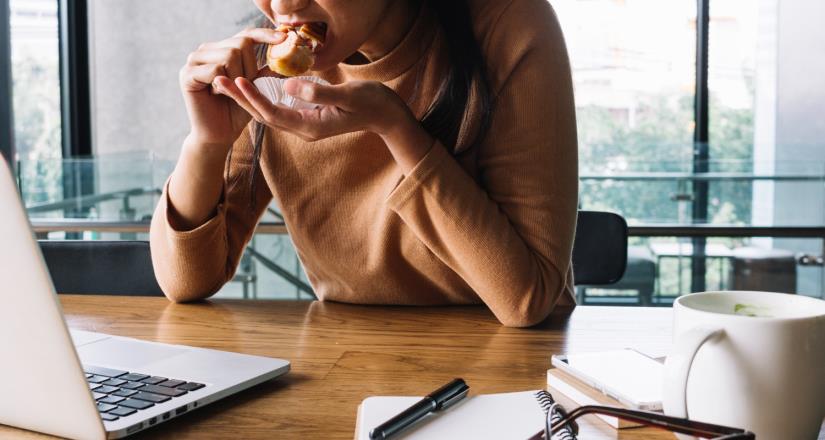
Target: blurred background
x,y
699,122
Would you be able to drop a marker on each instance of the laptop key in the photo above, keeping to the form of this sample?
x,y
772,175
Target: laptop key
x,y
136,404
149,397
104,407
94,386
112,400
97,395
114,382
133,377
154,380
108,372
108,417
122,411
105,389
157,389
172,383
97,379
124,393
191,386
132,385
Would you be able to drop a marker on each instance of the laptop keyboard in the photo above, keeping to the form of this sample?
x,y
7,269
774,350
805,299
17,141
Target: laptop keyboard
x,y
123,393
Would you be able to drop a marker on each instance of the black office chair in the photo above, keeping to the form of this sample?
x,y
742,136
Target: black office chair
x,y
600,248
101,267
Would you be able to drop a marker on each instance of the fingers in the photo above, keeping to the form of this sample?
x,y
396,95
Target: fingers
x,y
242,48
197,78
263,35
229,57
227,87
236,54
318,93
271,114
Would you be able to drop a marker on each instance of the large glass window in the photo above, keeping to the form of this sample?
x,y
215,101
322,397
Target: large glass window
x,y
731,82
634,70
634,64
634,80
36,90
36,76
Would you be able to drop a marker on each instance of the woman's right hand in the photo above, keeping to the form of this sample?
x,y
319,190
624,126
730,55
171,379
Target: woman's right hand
x,y
214,118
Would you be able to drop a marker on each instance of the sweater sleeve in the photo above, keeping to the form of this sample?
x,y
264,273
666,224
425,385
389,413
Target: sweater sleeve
x,y
194,264
509,234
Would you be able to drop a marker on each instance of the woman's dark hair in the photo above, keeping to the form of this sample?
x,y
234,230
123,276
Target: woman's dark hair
x,y
467,76
449,118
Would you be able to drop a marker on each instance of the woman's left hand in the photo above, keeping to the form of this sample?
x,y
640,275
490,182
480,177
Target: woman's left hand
x,y
345,108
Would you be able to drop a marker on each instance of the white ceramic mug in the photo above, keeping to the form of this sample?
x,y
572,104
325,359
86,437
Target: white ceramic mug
x,y
752,360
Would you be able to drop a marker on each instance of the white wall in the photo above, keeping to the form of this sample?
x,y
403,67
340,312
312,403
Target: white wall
x,y
137,49
790,135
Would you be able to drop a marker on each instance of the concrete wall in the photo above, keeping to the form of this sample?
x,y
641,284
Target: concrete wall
x,y
137,49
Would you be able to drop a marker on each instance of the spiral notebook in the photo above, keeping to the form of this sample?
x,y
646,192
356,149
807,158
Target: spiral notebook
x,y
490,416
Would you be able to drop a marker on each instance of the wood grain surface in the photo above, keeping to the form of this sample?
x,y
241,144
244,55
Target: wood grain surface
x,y
342,354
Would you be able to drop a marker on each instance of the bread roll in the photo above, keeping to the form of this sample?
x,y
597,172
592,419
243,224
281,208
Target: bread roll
x,y
295,55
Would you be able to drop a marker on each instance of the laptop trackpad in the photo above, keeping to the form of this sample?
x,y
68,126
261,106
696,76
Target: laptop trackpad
x,y
126,354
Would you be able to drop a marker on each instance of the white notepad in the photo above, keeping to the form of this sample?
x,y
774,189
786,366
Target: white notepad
x,y
492,416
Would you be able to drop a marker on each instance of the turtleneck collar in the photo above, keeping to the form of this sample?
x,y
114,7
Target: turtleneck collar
x,y
401,58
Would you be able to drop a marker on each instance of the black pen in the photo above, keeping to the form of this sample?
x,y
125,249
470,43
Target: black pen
x,y
439,399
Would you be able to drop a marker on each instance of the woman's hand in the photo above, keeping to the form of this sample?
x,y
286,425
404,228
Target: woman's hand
x,y
216,119
345,108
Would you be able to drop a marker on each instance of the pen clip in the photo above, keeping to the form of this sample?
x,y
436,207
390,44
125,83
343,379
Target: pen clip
x,y
454,399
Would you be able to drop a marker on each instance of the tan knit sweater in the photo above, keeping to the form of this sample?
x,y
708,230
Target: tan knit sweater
x,y
494,225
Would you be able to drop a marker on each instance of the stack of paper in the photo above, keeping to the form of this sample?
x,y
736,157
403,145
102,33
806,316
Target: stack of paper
x,y
582,394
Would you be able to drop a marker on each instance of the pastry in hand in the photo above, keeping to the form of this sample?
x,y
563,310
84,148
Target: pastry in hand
x,y
296,54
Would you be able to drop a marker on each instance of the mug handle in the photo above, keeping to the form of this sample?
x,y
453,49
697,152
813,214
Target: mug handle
x,y
677,368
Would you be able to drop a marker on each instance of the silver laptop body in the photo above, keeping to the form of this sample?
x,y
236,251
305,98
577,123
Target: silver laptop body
x,y
43,385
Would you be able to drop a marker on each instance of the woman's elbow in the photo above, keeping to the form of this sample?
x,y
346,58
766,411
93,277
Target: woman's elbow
x,y
531,305
180,288
179,296
524,318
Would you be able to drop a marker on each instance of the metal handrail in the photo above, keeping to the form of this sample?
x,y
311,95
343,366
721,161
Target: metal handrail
x,y
677,176
653,230
648,230
83,225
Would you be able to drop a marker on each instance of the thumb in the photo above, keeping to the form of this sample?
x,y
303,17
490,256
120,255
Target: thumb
x,y
315,93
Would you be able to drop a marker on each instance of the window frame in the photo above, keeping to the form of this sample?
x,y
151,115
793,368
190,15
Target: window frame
x,y
6,87
75,87
701,138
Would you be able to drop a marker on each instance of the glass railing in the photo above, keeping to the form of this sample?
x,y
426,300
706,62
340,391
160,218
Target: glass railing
x,y
766,226
744,193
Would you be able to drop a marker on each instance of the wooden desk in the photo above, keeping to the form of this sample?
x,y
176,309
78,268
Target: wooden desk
x,y
341,354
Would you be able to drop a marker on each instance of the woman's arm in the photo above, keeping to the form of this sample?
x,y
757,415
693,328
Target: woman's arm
x,y
196,236
510,235
215,120
194,263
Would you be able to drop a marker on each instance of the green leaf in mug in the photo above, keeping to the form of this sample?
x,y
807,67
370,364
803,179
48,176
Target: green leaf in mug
x,y
750,310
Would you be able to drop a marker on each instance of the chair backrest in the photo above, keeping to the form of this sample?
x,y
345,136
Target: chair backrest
x,y
600,248
101,267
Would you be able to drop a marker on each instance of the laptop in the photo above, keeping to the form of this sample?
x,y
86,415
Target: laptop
x,y
86,385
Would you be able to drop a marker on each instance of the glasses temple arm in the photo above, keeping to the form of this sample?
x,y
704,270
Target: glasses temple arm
x,y
676,424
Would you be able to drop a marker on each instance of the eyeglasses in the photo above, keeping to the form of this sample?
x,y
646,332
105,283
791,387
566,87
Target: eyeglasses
x,y
559,425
